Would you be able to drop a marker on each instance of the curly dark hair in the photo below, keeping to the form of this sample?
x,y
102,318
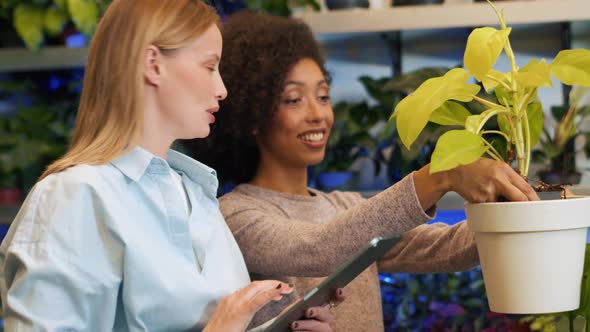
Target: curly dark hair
x,y
259,51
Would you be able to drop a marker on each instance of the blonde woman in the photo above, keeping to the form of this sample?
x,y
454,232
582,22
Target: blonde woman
x,y
123,233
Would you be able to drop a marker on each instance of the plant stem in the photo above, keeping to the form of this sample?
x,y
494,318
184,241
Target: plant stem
x,y
519,112
492,113
527,144
520,150
486,102
492,151
502,83
485,132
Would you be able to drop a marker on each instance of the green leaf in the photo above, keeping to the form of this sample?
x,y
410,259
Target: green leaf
x,y
489,84
409,82
505,97
414,111
474,123
577,95
28,22
450,114
535,116
551,150
455,148
572,67
63,4
55,20
534,74
84,13
484,45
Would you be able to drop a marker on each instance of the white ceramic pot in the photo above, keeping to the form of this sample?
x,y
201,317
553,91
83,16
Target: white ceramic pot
x,y
531,253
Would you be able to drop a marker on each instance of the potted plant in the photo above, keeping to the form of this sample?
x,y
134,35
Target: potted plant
x,y
558,149
532,253
35,21
280,7
35,128
29,140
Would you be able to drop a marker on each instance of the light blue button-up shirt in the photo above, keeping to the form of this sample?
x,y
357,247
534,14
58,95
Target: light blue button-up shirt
x,y
111,247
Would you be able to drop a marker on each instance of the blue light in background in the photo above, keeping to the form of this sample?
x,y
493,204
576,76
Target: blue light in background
x,y
449,217
76,40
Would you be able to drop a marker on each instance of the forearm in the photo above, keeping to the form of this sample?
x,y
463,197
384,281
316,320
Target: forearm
x,y
433,249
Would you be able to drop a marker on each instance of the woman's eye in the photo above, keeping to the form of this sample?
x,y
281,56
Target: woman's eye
x,y
324,99
293,101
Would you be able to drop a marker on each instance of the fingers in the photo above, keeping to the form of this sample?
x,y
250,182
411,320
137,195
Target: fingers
x,y
320,313
524,187
339,296
493,179
514,187
258,293
311,325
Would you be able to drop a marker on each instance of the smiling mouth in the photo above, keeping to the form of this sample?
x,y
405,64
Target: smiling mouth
x,y
313,137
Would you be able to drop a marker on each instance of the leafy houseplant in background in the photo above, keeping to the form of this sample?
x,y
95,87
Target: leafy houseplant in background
x,y
349,139
35,133
544,239
558,149
36,20
274,7
442,302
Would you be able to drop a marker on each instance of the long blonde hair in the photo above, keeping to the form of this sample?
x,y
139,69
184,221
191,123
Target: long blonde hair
x,y
110,114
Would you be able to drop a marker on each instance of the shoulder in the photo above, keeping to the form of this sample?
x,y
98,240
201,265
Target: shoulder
x,y
80,179
61,202
243,199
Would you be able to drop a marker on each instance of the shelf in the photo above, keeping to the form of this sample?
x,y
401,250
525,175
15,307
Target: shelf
x,y
51,57
445,16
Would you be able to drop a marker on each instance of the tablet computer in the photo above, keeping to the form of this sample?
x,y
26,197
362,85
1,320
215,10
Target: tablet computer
x,y
345,273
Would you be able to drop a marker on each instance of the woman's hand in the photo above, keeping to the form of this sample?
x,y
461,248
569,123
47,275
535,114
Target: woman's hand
x,y
485,180
319,319
235,311
481,181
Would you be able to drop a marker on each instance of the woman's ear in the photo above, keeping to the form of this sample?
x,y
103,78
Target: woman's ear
x,y
152,66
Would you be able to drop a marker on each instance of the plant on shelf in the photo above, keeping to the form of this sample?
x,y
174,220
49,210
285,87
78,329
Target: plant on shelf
x,y
34,133
280,7
349,139
274,7
544,239
557,149
37,20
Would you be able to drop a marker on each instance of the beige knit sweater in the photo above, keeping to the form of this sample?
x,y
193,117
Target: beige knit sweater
x,y
300,239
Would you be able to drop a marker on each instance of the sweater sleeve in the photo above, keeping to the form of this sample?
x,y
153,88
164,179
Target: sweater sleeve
x,y
433,249
273,244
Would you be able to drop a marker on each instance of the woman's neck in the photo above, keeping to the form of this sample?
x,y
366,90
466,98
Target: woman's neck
x,y
287,180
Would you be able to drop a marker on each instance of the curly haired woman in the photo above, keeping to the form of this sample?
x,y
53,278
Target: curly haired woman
x,y
274,124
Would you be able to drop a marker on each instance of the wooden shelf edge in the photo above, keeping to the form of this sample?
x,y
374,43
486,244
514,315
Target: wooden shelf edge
x,y
445,16
51,57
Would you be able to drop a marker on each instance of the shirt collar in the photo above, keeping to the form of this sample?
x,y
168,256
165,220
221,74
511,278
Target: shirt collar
x,y
196,171
136,162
